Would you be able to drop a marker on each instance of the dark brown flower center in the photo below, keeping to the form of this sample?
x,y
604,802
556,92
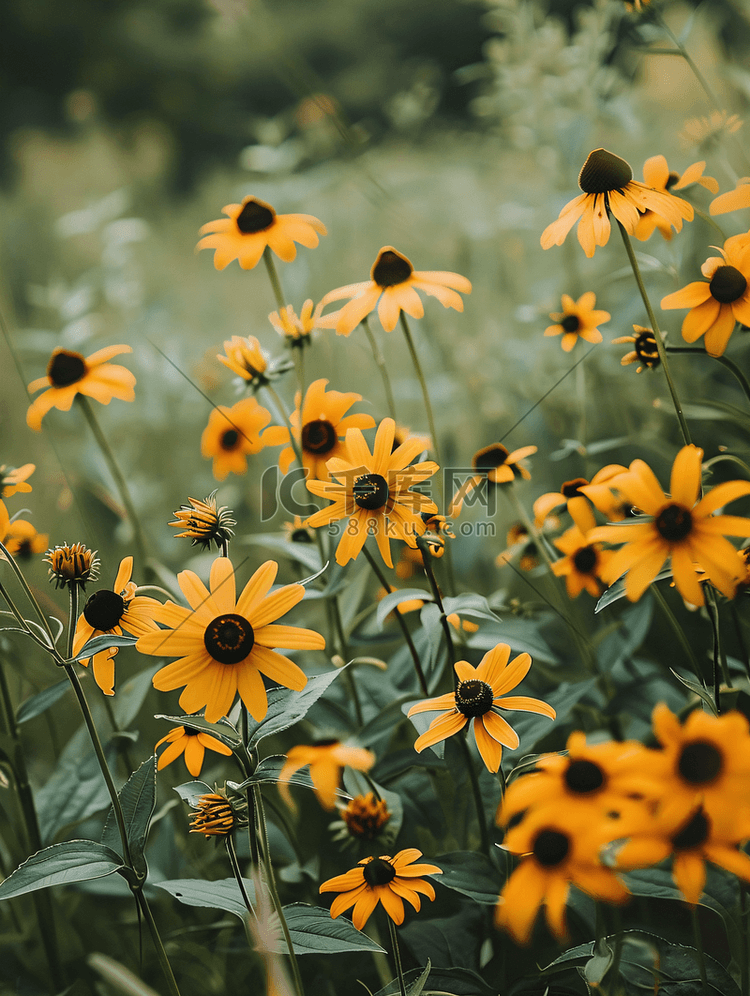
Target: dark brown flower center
x,y
189,733
474,697
551,848
695,832
700,762
391,268
585,559
672,179
255,217
229,439
490,458
571,323
572,489
229,638
603,171
318,436
24,550
301,536
378,872
104,609
370,491
583,777
65,368
646,349
674,523
727,284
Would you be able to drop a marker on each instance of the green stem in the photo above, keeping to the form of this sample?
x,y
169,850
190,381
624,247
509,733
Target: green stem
x,y
657,333
20,619
725,361
484,837
710,221
678,631
119,479
426,563
426,397
396,956
614,969
285,415
232,853
35,605
273,276
377,355
720,669
72,617
346,655
699,949
161,953
247,761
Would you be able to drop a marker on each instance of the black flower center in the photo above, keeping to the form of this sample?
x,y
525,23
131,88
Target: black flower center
x,y
391,268
254,217
571,323
378,872
104,609
189,733
695,832
646,349
66,367
603,171
229,638
24,550
229,439
572,489
491,457
727,284
672,179
474,697
301,536
700,762
674,523
370,491
318,436
551,848
583,777
585,559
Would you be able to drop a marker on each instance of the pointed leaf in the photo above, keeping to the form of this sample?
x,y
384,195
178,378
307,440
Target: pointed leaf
x,y
61,864
268,772
470,873
104,642
223,894
314,932
388,604
286,707
138,801
42,701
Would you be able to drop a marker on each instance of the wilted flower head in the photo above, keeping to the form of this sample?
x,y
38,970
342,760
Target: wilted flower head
x,y
204,523
213,816
72,564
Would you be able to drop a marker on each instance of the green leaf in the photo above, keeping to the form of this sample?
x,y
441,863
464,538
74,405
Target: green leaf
x,y
470,604
455,981
416,987
223,730
699,690
304,553
104,642
286,707
392,599
61,864
616,591
130,696
138,801
629,633
470,873
190,792
268,772
42,701
223,894
524,636
314,932
120,978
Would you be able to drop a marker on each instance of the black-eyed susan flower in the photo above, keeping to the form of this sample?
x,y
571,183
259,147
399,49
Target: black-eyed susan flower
x,y
645,350
382,880
296,532
658,176
225,644
403,432
481,696
604,495
13,479
234,433
570,495
577,320
251,226
327,759
679,528
716,305
365,817
204,522
374,491
214,815
394,284
706,132
324,427
192,744
69,373
495,465
72,563
585,562
23,541
560,847
296,329
608,187
112,610
732,200
246,359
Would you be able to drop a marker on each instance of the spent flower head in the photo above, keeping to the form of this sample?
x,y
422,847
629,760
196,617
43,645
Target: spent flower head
x,y
72,564
204,523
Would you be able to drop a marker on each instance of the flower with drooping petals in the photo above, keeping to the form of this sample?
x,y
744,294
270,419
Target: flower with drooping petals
x,y
584,562
657,174
327,759
190,743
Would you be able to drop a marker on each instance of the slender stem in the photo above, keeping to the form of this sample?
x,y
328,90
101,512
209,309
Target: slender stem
x,y
72,618
377,355
273,276
426,397
232,853
396,956
161,953
346,654
401,621
614,969
678,631
119,479
30,595
484,836
720,668
247,761
657,333
699,949
426,563
285,415
20,619
710,221
725,361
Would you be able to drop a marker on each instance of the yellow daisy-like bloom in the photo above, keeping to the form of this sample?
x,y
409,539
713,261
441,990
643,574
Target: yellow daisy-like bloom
x,y
246,359
645,351
707,131
584,562
69,373
518,540
608,187
112,611
717,305
604,495
375,493
233,433
22,540
13,479
687,532
296,329
657,175
560,847
324,427
327,759
383,880
213,816
365,816
253,225
204,523
394,283
577,320
496,465
732,200
192,744
480,695
226,643
570,495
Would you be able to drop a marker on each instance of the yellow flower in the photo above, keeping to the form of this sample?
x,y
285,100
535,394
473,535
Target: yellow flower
x,y
365,816
23,541
656,174
213,816
496,466
375,493
732,200
480,695
69,374
246,359
584,562
233,433
679,528
192,744
707,131
645,351
72,564
394,283
327,759
577,320
204,522
383,880
253,225
608,187
13,479
296,329
226,643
